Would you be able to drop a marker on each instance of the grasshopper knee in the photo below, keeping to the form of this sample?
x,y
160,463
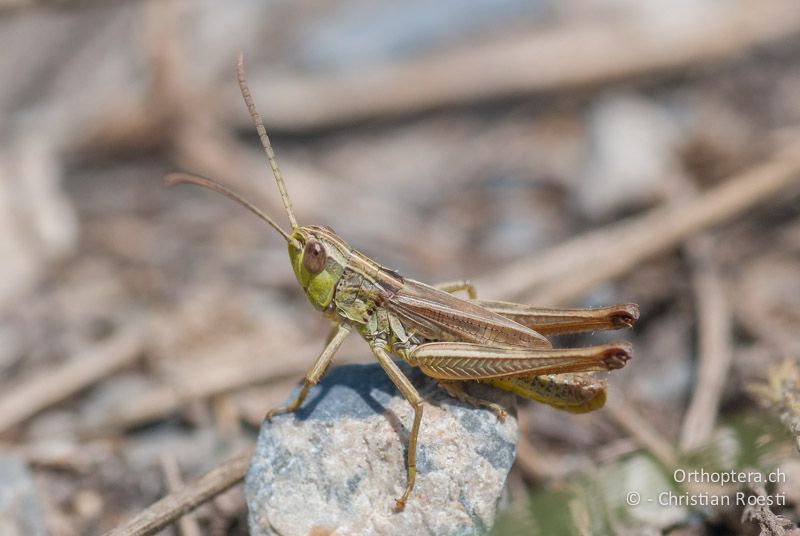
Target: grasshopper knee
x,y
461,284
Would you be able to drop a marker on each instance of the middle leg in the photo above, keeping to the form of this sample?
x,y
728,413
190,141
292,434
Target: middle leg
x,y
460,284
410,393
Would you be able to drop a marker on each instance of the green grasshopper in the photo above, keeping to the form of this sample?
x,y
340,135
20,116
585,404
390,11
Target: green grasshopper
x,y
450,339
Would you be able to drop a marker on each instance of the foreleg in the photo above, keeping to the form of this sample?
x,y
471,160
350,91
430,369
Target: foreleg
x,y
335,339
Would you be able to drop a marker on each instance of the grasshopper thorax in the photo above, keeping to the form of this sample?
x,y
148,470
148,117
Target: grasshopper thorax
x,y
318,258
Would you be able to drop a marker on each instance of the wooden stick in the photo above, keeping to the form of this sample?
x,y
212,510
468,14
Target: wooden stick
x,y
167,510
187,524
566,271
204,383
715,345
572,55
642,431
59,456
43,389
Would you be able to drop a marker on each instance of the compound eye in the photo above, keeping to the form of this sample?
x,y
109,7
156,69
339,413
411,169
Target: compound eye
x,y
314,257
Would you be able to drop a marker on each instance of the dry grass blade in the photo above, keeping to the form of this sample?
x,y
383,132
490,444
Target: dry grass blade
x,y
715,345
205,382
565,272
66,457
21,401
172,475
598,54
174,505
643,432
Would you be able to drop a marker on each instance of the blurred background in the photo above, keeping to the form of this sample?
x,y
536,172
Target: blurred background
x,y
556,153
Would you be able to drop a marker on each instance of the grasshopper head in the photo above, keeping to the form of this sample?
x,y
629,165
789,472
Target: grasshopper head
x,y
318,258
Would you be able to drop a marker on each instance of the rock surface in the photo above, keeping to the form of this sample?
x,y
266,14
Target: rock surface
x,y
21,512
337,465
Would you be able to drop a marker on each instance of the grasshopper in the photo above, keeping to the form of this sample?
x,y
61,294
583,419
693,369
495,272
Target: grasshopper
x,y
450,339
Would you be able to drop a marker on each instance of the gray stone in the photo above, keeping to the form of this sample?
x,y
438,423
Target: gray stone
x,y
337,465
21,512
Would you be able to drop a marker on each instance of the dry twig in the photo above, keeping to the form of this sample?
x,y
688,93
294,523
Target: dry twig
x,y
19,5
60,456
172,475
21,401
174,505
715,345
533,62
565,272
643,432
203,384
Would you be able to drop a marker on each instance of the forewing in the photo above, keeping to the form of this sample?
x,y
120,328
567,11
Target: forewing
x,y
438,315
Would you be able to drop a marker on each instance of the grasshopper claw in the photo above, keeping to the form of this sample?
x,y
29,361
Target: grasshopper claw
x,y
399,505
301,396
278,411
617,356
626,317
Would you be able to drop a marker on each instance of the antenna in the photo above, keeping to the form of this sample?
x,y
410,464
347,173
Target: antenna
x,y
262,135
182,178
